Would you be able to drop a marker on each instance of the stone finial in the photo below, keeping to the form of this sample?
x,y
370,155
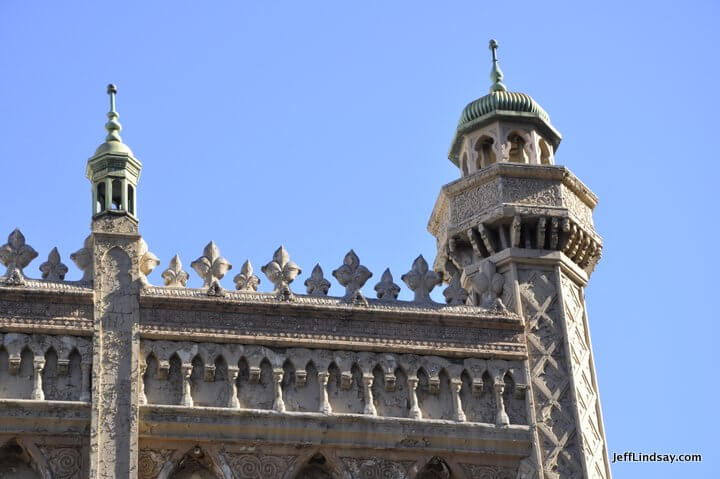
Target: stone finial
x,y
485,284
148,262
246,280
316,284
113,126
454,294
174,275
83,259
281,271
353,276
53,269
421,280
16,255
386,289
211,267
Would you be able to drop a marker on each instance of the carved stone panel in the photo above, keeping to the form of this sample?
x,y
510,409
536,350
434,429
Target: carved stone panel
x,y
65,462
551,383
475,471
151,462
376,468
253,466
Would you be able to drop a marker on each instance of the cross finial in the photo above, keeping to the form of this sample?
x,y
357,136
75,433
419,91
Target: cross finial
x,y
496,75
113,126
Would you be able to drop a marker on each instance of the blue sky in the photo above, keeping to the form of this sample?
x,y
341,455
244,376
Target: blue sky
x,y
325,126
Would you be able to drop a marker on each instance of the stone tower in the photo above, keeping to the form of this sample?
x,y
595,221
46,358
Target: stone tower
x,y
518,222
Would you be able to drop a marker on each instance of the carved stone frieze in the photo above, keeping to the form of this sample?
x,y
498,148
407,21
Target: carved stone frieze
x,y
477,471
111,223
252,466
376,468
152,461
65,462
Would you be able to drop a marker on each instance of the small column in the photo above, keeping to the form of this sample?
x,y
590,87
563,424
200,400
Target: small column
x,y
123,195
278,403
501,418
325,407
233,402
415,412
142,398
37,391
186,371
108,194
367,380
455,387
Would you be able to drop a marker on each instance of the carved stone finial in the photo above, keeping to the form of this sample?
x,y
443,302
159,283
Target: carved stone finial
x,y
353,276
281,271
454,294
316,284
148,262
386,289
421,280
246,280
16,255
83,259
211,267
53,269
174,275
485,284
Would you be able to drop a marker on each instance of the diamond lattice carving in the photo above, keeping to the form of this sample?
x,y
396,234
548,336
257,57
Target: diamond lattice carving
x,y
557,432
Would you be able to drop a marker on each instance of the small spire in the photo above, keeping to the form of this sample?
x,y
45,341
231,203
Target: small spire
x,y
496,75
113,126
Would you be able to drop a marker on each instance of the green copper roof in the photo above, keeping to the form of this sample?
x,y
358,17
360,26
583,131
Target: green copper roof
x,y
501,100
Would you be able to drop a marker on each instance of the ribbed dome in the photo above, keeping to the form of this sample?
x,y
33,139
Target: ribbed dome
x,y
501,101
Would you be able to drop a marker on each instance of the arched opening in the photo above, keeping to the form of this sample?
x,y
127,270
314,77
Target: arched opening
x,y
391,398
255,385
435,468
478,398
16,463
484,154
544,152
514,401
100,198
197,377
517,148
464,165
195,465
344,397
174,380
5,390
50,376
131,199
316,468
116,195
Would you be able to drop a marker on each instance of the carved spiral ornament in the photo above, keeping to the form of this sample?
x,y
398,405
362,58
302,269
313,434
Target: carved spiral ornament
x,y
250,466
64,461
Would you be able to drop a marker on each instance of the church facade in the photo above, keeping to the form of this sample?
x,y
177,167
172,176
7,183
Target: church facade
x,y
109,376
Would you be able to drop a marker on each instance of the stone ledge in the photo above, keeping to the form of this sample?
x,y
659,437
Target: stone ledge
x,y
337,430
27,416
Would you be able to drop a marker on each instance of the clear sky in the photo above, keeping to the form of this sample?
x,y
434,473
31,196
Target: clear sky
x,y
325,126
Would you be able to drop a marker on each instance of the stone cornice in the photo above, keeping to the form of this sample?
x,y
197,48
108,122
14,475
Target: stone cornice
x,y
311,322
339,430
26,416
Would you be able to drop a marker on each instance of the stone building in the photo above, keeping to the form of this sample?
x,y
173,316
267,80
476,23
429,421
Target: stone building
x,y
109,376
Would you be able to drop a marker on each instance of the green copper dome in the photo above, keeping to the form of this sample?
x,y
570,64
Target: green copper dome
x,y
501,101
